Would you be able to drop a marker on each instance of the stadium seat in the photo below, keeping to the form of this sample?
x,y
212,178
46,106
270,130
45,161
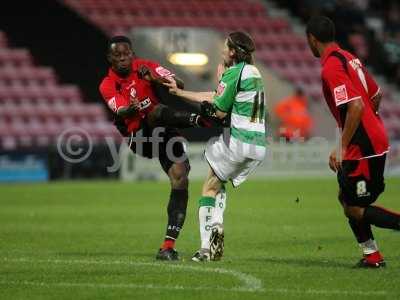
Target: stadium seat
x,y
34,108
15,57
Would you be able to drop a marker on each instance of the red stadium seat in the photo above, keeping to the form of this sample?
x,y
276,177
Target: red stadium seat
x,y
16,57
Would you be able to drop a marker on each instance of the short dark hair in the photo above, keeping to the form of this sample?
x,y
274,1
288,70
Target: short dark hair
x,y
243,44
322,28
119,39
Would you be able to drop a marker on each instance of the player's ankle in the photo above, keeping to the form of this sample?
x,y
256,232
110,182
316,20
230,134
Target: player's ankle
x,y
168,244
374,257
369,246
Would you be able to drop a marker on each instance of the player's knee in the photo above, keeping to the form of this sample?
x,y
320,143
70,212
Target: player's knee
x,y
153,118
179,176
211,187
180,182
354,212
209,193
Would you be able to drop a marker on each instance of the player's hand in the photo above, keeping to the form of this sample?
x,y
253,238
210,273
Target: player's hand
x,y
335,159
145,73
171,85
134,103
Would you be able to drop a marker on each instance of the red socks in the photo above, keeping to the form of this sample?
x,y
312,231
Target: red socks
x,y
168,244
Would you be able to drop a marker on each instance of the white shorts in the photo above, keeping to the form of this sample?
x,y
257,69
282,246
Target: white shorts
x,y
228,165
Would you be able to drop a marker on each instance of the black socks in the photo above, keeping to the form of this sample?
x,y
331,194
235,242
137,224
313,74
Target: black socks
x,y
176,212
381,218
362,231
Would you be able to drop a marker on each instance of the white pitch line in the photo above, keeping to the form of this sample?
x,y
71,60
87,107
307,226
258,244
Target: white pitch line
x,y
330,292
183,288
105,285
249,283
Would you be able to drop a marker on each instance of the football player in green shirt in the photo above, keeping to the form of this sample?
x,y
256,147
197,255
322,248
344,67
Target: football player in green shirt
x,y
233,156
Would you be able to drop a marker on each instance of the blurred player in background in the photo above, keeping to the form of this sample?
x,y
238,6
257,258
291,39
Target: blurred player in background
x,y
353,98
129,93
295,120
240,97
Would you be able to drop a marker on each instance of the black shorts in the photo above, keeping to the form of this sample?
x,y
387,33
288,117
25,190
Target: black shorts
x,y
356,189
162,142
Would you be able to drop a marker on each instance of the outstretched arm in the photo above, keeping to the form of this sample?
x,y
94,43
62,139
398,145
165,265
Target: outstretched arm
x,y
145,73
189,95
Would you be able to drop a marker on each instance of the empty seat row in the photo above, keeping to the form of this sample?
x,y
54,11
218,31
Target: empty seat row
x,y
250,24
67,92
178,11
57,112
17,136
27,73
34,109
18,57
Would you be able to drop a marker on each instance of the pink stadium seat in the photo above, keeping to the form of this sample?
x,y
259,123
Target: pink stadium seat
x,y
27,74
8,141
19,57
69,93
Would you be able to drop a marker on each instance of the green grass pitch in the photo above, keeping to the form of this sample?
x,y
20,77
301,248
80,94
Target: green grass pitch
x,y
98,240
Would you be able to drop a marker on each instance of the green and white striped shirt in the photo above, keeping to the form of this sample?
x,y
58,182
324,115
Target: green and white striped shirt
x,y
240,93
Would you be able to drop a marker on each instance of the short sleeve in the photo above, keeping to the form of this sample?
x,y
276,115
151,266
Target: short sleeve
x,y
373,87
226,90
339,82
111,96
156,69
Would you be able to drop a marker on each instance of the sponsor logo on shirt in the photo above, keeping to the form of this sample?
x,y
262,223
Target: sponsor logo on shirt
x,y
144,104
133,93
221,88
163,72
340,93
355,63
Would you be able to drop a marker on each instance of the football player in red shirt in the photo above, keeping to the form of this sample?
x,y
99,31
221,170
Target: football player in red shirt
x,y
353,98
129,93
